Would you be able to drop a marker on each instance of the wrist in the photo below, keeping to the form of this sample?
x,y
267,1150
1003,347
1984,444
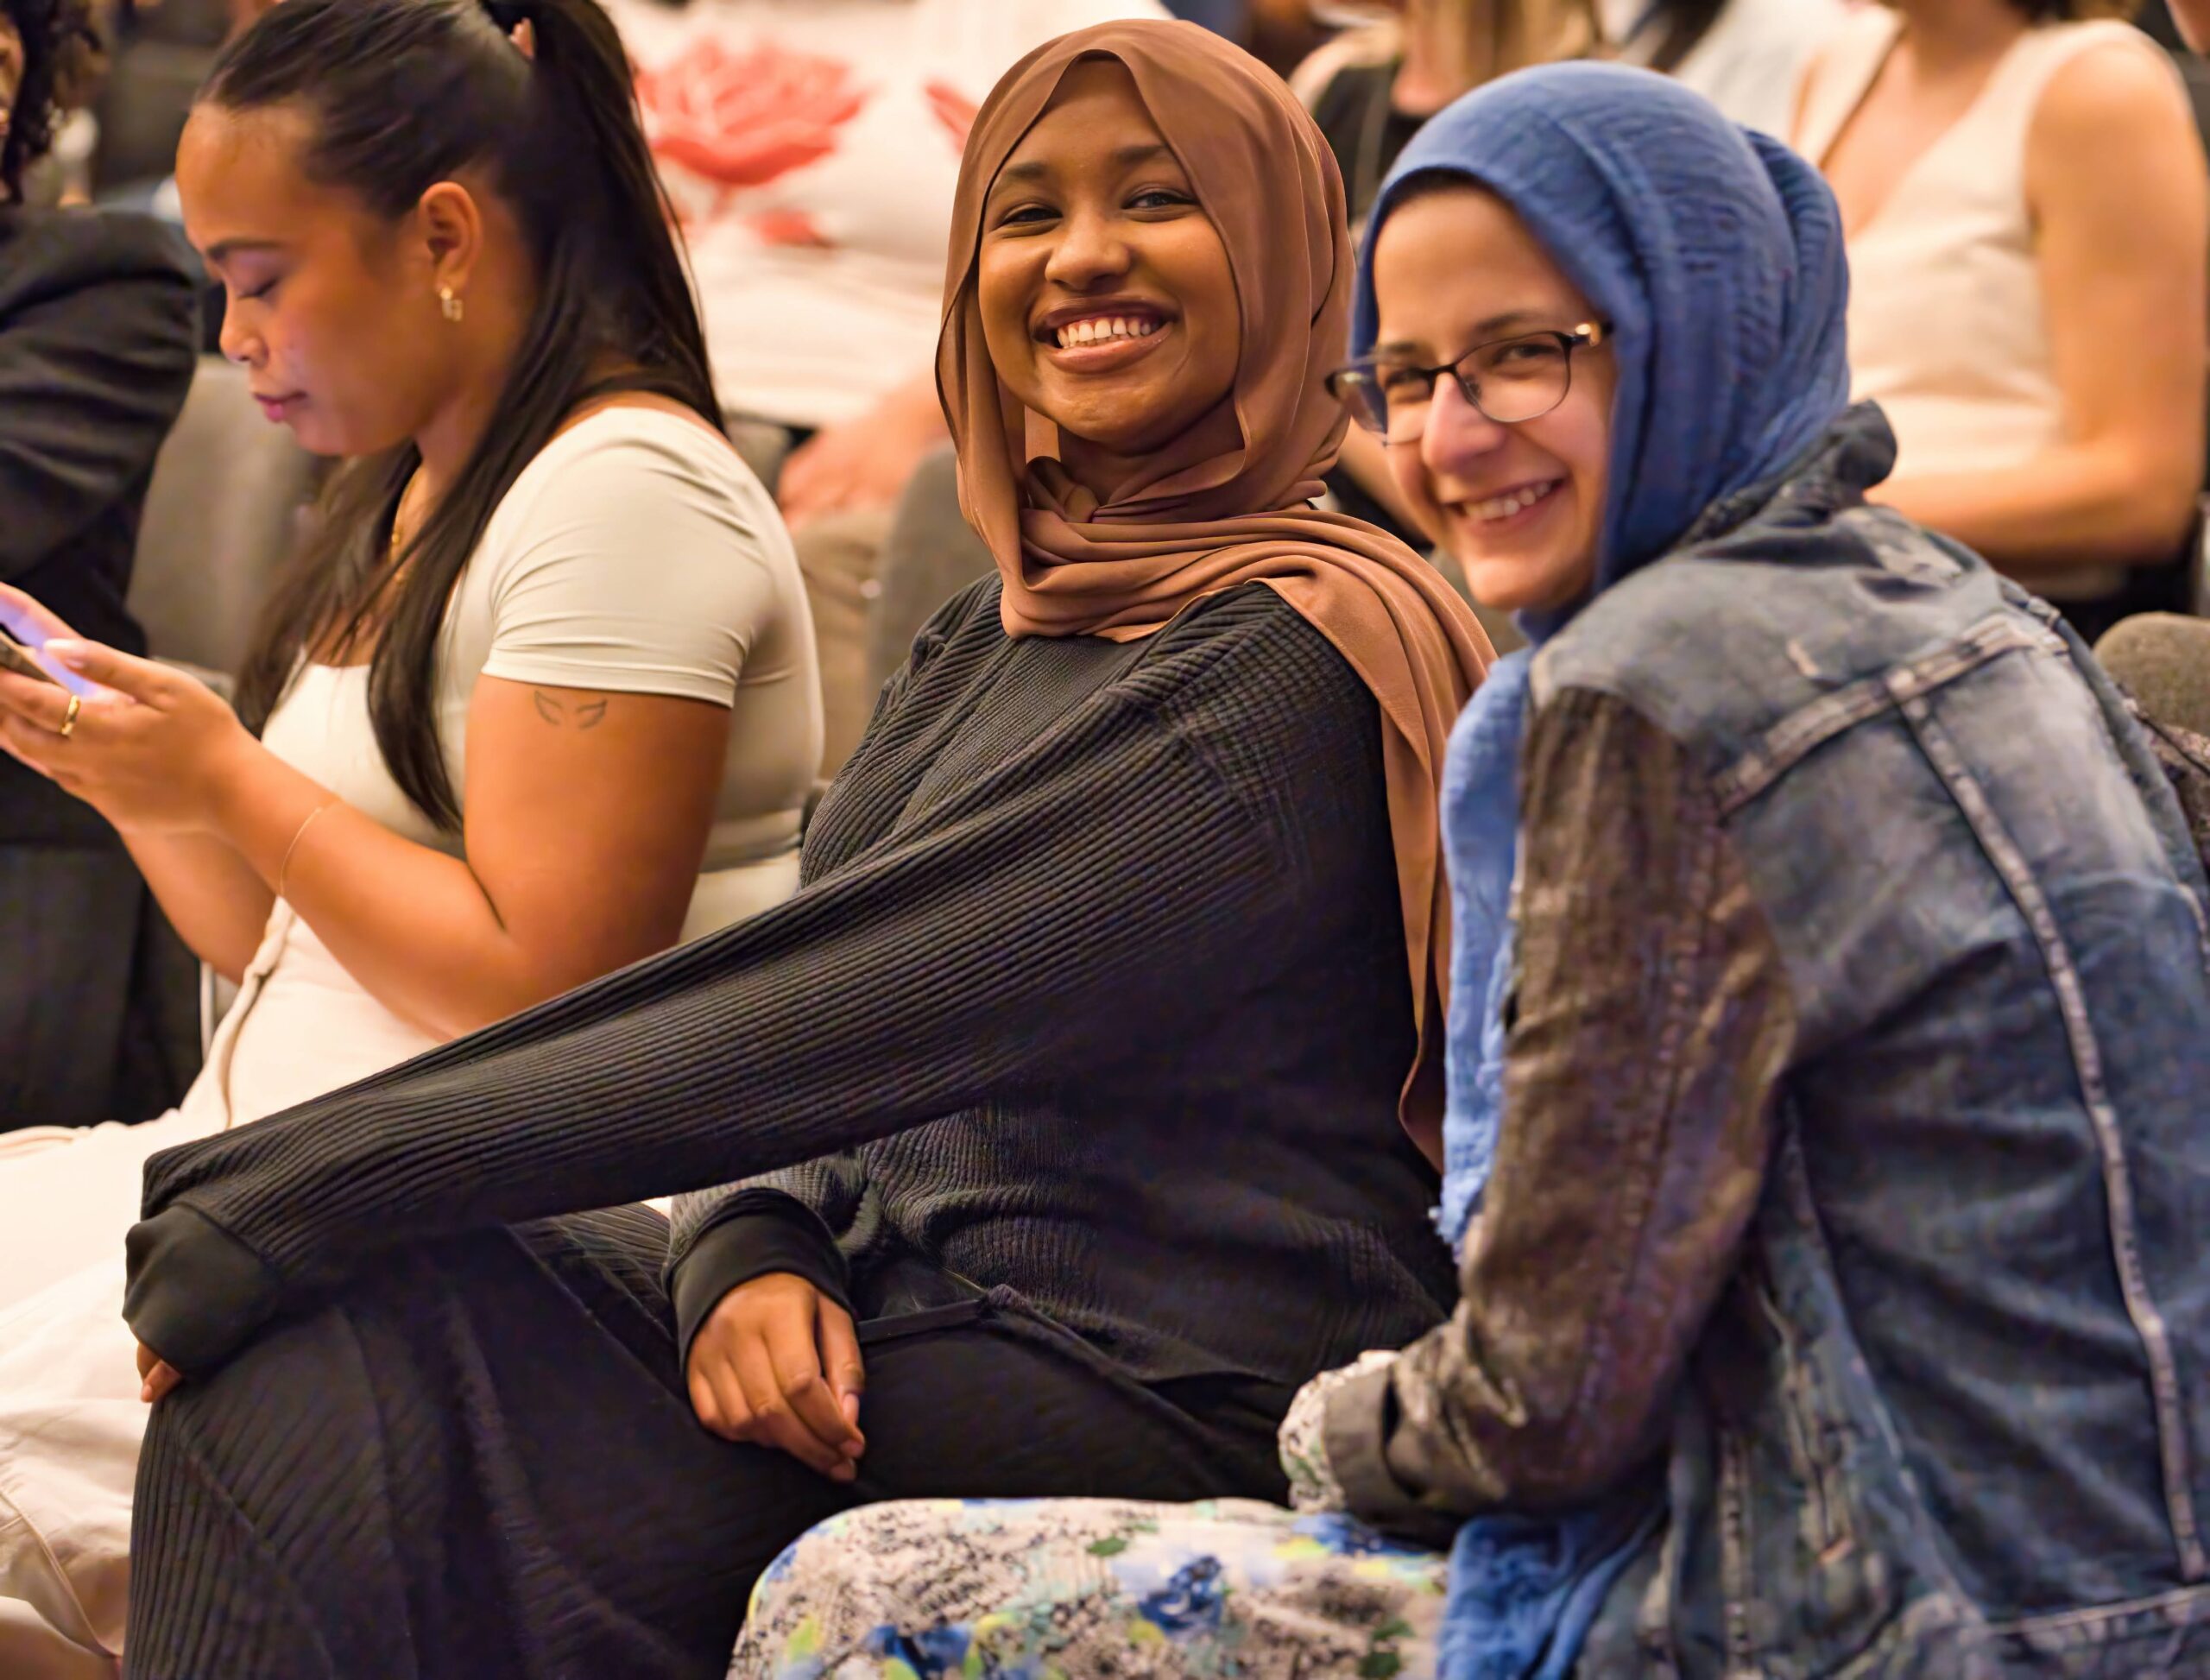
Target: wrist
x,y
228,780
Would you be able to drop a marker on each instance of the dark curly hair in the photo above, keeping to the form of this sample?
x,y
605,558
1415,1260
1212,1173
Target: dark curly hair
x,y
62,58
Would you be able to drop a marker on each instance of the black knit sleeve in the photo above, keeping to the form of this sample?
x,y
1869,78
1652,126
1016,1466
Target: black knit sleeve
x,y
755,1233
1041,924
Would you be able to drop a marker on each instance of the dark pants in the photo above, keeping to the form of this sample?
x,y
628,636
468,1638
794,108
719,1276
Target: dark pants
x,y
99,997
482,1462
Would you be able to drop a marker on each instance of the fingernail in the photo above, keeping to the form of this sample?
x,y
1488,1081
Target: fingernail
x,y
64,650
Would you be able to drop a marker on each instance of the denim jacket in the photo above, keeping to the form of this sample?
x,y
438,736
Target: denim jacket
x,y
1874,1206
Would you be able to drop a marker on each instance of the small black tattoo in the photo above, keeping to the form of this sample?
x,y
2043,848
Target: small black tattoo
x,y
586,714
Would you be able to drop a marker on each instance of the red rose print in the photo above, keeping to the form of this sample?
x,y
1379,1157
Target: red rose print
x,y
788,227
741,119
954,109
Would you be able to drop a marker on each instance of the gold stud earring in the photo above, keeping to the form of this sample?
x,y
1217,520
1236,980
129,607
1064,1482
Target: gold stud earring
x,y
454,307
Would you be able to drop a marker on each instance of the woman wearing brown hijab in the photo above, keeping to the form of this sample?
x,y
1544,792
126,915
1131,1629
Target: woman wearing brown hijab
x,y
1073,1074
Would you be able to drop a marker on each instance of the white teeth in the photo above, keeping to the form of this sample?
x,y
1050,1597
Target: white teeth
x,y
1100,329
1503,507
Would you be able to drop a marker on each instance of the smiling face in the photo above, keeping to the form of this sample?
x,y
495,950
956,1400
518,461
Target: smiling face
x,y
1106,297
1521,506
331,310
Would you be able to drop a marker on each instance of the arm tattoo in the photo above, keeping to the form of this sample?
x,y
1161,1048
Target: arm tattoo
x,y
582,714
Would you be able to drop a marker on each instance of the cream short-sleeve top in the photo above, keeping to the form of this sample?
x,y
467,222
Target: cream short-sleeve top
x,y
636,554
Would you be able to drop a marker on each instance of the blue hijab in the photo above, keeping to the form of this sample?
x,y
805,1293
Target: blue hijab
x,y
1716,255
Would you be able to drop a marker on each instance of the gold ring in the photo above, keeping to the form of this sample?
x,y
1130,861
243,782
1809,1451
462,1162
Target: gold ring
x,y
69,718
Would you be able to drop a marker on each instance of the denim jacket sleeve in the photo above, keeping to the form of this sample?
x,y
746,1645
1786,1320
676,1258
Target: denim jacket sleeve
x,y
1651,1026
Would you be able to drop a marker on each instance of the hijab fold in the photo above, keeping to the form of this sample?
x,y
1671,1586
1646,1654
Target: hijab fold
x,y
1195,521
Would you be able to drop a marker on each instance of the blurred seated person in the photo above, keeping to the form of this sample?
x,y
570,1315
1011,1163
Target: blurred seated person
x,y
810,147
2028,218
2193,17
96,335
1746,56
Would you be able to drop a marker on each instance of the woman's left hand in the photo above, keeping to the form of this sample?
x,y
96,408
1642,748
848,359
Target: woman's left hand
x,y
149,748
157,1376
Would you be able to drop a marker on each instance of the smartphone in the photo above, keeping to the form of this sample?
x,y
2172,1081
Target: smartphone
x,y
14,658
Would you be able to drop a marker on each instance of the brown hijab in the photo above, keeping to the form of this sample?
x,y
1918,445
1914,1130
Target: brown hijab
x,y
1192,524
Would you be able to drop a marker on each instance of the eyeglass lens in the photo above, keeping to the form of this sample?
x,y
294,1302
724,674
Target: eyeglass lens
x,y
1515,379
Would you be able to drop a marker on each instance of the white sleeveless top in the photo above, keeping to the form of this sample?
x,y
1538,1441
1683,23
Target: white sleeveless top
x,y
636,554
1948,332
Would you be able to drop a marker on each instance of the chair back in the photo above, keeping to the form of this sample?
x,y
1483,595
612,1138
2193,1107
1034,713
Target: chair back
x,y
221,516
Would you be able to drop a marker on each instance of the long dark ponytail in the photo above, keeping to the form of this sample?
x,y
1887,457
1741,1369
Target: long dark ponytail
x,y
404,94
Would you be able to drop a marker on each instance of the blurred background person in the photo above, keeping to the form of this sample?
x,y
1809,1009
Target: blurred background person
x,y
1372,88
2028,218
810,147
1746,56
96,335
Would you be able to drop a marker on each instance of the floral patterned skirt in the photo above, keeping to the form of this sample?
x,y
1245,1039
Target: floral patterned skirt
x,y
1083,1590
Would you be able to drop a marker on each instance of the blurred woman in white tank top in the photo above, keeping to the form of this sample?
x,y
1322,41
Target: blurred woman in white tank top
x,y
2025,201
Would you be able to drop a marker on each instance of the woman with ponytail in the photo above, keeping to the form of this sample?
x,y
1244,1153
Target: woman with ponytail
x,y
539,700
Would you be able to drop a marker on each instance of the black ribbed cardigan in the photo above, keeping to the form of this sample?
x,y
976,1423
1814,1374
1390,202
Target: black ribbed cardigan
x,y
1095,988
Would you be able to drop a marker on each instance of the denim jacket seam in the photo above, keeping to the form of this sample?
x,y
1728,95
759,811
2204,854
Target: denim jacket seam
x,y
1784,745
2194,1598
2148,1320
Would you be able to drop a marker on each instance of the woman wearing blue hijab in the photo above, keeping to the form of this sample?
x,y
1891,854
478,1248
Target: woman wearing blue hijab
x,y
1830,1036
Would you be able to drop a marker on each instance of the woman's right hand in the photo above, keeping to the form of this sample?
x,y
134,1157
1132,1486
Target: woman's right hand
x,y
777,1364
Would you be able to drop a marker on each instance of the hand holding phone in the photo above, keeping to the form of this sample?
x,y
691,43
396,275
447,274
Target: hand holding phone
x,y
14,657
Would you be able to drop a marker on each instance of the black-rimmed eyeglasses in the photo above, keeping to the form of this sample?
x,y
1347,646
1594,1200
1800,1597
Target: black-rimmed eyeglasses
x,y
1509,380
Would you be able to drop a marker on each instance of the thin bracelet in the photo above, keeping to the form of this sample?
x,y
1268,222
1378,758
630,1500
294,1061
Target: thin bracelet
x,y
284,869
